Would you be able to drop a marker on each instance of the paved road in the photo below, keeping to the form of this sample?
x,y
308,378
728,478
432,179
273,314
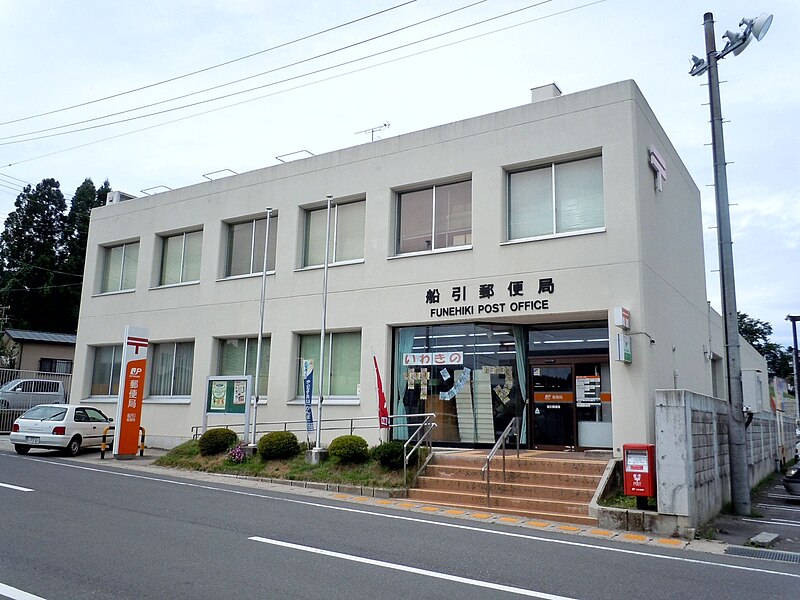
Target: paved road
x,y
87,530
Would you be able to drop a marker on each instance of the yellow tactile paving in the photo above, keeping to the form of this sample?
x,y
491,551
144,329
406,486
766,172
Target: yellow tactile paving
x,y
538,523
634,537
454,511
361,499
406,505
342,496
671,542
480,515
385,502
429,508
604,532
509,520
568,528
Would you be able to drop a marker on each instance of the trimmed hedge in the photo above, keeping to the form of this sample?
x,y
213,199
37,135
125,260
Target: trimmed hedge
x,y
216,441
278,444
390,454
349,449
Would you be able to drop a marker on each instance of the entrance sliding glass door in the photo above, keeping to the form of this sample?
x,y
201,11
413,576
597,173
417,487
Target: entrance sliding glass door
x,y
553,405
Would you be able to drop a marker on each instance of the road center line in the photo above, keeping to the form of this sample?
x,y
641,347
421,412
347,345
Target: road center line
x,y
15,594
525,536
15,487
414,570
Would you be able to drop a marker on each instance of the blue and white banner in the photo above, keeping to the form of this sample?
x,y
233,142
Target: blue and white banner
x,y
308,387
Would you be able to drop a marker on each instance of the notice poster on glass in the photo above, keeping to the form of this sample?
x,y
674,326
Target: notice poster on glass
x,y
587,390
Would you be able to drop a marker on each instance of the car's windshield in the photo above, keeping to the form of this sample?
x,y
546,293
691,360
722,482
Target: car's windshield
x,y
45,413
9,385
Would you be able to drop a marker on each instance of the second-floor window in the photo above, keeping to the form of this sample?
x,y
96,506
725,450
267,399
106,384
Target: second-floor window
x,y
180,258
555,199
346,235
119,267
246,246
434,218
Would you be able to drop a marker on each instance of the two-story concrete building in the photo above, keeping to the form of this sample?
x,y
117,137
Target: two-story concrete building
x,y
545,261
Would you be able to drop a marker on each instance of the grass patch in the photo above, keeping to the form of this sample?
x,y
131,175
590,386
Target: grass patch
x,y
371,473
620,500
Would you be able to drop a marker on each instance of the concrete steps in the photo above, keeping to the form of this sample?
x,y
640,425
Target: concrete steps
x,y
537,485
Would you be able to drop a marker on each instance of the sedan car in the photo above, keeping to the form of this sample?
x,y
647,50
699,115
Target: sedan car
x,y
792,480
67,427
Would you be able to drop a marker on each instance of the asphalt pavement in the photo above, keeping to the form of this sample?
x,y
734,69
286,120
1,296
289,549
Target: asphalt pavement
x,y
775,513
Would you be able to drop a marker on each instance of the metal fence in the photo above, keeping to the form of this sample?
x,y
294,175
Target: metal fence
x,y
21,389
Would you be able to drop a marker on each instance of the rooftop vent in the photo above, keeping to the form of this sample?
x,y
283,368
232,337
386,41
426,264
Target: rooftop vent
x,y
115,197
545,92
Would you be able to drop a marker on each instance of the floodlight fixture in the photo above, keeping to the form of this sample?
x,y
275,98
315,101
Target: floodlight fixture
x,y
737,41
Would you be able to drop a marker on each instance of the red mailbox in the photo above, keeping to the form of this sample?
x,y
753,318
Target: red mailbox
x,y
639,462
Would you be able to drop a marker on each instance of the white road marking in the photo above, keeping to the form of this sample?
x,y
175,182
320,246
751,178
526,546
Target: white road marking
x,y
526,536
783,496
779,507
15,594
414,570
774,522
15,487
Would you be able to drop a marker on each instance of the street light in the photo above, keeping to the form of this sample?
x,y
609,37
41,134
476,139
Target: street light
x,y
795,356
737,441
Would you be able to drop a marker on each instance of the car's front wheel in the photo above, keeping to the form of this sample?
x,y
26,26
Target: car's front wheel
x,y
74,446
21,448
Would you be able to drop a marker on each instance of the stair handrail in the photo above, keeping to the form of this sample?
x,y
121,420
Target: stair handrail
x,y
500,443
422,435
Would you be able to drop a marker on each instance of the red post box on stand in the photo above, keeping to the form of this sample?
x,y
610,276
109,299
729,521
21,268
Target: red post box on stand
x,y
639,464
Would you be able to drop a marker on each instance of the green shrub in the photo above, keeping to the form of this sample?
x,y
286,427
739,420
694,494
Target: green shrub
x,y
215,441
349,449
278,444
389,454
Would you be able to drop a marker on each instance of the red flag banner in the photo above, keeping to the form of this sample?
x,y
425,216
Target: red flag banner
x,y
383,411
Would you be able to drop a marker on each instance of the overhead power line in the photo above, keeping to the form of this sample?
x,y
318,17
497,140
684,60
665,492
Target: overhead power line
x,y
229,83
169,122
300,76
212,67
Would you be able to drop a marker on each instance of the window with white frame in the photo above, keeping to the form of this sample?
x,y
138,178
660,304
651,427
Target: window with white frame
x,y
246,246
171,369
106,367
180,258
434,218
342,363
346,234
238,357
557,198
119,267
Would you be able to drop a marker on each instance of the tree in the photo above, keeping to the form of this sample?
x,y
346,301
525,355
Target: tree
x,y
757,332
42,255
31,251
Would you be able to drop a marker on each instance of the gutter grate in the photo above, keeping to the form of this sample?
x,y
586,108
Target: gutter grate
x,y
768,554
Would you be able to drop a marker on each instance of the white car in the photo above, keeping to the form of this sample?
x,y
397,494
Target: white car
x,y
68,427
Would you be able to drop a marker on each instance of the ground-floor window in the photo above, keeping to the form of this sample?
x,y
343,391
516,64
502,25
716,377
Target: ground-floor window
x,y
106,366
171,366
467,375
342,363
238,357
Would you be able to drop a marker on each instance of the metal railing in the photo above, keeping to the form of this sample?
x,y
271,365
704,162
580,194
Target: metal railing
x,y
421,437
512,427
348,424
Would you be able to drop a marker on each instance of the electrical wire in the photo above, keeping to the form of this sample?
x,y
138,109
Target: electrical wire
x,y
307,74
229,83
24,264
164,123
206,69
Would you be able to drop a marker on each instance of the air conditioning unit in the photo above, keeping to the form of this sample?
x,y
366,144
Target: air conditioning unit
x,y
115,197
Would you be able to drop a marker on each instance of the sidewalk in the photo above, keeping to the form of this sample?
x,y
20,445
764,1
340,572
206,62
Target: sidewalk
x,y
729,533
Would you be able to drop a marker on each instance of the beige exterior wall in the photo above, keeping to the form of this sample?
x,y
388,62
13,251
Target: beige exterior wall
x,y
649,258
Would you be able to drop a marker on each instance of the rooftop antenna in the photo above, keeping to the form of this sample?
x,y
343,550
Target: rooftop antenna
x,y
372,130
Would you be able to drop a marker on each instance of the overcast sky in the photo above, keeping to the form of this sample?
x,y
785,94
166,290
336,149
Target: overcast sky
x,y
60,53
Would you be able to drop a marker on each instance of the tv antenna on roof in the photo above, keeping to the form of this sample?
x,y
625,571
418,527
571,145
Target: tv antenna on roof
x,y
372,130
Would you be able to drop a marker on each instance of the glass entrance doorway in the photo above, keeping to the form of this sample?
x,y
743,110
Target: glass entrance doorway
x,y
571,403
